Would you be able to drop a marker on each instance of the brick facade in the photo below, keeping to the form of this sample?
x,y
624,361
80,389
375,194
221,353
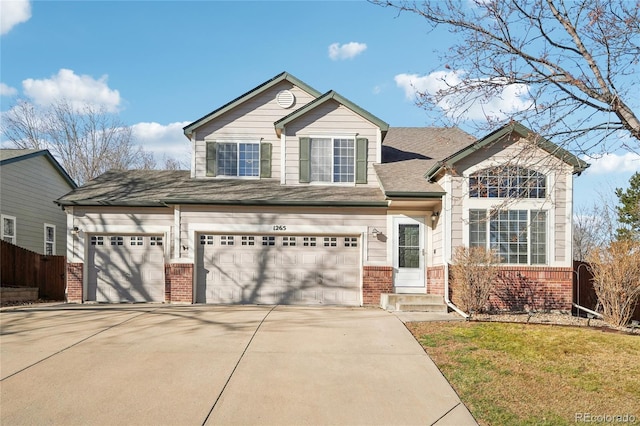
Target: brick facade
x,y
178,281
375,281
525,288
74,282
435,280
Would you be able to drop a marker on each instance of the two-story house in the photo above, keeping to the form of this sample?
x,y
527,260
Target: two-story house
x,y
30,181
301,197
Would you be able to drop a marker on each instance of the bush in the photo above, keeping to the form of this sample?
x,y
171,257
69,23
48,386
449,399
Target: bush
x,y
616,279
475,273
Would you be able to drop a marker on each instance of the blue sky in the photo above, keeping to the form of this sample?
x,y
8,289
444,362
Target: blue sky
x,y
163,64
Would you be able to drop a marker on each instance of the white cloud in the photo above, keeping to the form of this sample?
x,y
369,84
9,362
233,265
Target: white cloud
x,y
7,90
614,163
164,140
13,12
346,51
76,89
473,106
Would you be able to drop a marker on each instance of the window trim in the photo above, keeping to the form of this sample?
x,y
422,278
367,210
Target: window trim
x,y
333,138
53,242
239,142
14,237
236,140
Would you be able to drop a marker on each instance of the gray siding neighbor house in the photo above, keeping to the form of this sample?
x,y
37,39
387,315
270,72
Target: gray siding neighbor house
x,y
301,197
30,183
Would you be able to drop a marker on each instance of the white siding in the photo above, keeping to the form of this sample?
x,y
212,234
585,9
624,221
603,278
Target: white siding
x,y
251,120
28,189
314,222
331,119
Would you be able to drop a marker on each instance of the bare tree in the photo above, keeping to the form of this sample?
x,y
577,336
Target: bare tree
x,y
576,62
593,228
87,140
616,279
475,273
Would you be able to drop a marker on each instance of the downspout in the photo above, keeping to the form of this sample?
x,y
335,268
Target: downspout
x,y
445,247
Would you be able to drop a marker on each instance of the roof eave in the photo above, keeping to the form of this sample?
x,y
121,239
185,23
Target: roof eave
x,y
188,129
281,123
297,203
409,194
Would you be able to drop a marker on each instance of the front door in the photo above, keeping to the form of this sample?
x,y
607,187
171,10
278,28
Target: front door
x,y
408,252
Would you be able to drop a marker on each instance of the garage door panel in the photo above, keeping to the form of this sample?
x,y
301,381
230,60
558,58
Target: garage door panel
x,y
125,269
279,269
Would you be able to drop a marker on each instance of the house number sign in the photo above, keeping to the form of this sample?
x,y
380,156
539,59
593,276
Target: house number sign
x,y
279,227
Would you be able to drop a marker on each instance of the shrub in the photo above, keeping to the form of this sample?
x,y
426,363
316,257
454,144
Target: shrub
x,y
475,273
616,279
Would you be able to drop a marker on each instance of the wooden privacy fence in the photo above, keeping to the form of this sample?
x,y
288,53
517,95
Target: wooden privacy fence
x,y
583,291
23,268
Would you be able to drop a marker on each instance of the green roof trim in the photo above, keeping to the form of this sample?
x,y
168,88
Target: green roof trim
x,y
279,203
16,156
251,93
331,94
514,127
404,194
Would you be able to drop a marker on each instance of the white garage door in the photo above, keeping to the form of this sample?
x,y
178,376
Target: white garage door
x,y
126,268
276,269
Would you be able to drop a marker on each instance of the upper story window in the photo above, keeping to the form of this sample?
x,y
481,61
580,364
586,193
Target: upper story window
x,y
333,160
238,159
507,182
9,229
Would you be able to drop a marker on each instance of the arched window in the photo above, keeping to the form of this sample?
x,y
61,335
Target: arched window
x,y
507,182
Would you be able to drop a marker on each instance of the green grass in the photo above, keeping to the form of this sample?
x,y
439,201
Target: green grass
x,y
526,374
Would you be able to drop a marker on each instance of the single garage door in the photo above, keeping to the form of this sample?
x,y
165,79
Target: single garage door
x,y
126,268
276,269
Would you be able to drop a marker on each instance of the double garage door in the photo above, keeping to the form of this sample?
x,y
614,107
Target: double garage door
x,y
277,269
126,268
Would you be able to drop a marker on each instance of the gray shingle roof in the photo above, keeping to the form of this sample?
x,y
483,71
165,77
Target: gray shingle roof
x,y
408,152
160,187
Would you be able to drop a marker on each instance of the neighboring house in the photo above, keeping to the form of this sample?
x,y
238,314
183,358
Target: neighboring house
x,y
300,197
31,181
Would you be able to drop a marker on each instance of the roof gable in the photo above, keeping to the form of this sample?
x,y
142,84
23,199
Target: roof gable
x,y
514,127
330,95
8,156
188,130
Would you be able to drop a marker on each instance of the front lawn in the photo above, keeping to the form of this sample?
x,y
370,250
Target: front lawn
x,y
525,374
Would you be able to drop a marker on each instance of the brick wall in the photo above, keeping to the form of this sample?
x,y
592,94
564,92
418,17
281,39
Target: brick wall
x,y
533,288
178,280
524,288
435,280
375,281
74,282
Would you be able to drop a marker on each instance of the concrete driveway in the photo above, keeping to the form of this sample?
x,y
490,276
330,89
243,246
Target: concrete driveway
x,y
208,365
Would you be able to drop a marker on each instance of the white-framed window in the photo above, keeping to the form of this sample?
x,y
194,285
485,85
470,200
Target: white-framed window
x,y
517,236
507,182
332,159
49,239
238,159
9,229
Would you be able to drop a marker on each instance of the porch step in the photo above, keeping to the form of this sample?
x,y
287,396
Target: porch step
x,y
413,302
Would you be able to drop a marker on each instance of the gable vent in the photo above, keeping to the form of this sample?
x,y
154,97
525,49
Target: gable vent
x,y
285,98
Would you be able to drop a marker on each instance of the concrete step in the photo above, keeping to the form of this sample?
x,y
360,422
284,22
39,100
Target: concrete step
x,y
413,302
421,307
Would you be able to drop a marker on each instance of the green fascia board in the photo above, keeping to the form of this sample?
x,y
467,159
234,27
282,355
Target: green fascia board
x,y
402,194
279,203
188,129
578,165
51,160
331,94
91,203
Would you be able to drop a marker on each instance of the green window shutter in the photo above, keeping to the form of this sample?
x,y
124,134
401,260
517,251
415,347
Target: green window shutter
x,y
305,164
211,158
265,160
362,146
